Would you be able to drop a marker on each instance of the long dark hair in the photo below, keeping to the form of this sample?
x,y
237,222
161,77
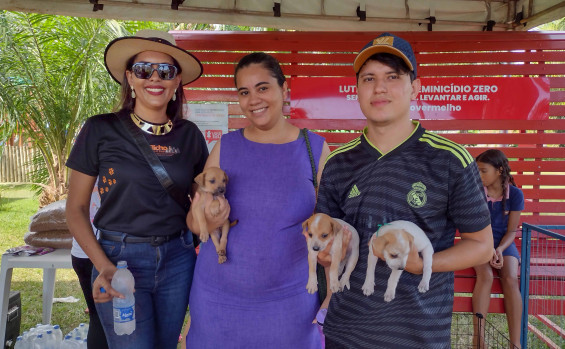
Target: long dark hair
x,y
267,61
126,103
499,161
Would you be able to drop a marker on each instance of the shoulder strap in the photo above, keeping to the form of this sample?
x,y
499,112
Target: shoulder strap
x,y
312,163
320,271
153,161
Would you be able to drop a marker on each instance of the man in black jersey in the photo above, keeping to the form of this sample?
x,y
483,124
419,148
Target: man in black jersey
x,y
396,170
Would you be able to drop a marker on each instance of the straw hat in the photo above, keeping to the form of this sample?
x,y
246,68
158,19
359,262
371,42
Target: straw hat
x,y
120,50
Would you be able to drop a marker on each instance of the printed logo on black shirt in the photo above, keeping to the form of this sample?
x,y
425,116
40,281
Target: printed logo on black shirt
x,y
162,150
417,196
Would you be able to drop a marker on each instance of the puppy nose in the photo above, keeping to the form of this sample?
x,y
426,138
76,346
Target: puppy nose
x,y
222,190
316,248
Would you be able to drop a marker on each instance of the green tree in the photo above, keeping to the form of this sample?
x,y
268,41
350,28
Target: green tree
x,y
557,25
52,77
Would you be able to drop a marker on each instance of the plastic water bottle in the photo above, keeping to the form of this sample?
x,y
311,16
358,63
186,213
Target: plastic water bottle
x,y
66,343
28,338
124,309
49,339
20,343
39,342
58,333
83,330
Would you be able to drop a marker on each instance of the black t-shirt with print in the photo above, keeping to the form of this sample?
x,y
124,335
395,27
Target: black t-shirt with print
x,y
428,180
132,199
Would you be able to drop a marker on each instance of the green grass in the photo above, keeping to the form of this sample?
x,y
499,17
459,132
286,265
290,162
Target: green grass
x,y
17,205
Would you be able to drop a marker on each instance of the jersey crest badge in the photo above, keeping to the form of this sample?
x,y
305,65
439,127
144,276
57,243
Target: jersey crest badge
x,y
354,192
417,196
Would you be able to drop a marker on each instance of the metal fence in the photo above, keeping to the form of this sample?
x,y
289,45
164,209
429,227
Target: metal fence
x,y
16,164
462,336
542,284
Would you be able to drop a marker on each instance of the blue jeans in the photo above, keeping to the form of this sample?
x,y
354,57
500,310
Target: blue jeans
x,y
163,276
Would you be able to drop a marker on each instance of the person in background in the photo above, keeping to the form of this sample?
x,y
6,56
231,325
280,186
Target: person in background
x,y
138,221
396,170
83,268
505,202
258,298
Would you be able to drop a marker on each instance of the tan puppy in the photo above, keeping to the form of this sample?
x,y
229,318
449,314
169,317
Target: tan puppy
x,y
394,240
319,230
211,185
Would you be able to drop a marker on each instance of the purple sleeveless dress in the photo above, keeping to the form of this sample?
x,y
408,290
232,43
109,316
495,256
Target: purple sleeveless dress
x,y
258,298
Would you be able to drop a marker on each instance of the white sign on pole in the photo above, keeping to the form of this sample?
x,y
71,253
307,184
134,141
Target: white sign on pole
x,y
211,119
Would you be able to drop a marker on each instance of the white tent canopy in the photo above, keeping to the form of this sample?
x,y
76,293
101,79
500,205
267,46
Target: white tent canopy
x,y
324,15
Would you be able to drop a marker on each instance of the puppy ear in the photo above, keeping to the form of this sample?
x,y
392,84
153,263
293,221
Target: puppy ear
x,y
305,225
379,244
226,177
336,227
200,179
408,237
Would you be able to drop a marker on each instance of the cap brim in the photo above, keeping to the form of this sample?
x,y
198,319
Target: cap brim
x,y
119,51
369,51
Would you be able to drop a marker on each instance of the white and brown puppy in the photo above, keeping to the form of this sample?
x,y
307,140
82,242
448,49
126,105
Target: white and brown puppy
x,y
211,185
320,230
394,241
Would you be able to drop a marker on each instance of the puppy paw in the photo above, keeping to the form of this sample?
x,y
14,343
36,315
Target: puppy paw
x,y
423,286
312,286
204,237
343,283
334,286
222,259
389,295
368,288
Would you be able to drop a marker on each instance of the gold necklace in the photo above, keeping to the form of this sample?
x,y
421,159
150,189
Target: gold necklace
x,y
152,129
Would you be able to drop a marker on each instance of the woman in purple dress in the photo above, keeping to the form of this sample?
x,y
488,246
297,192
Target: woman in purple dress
x,y
258,298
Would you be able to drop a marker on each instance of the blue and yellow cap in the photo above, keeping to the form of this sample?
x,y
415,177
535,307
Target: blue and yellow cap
x,y
386,43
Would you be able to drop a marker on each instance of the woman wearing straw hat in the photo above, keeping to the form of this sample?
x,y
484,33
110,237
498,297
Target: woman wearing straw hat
x,y
138,220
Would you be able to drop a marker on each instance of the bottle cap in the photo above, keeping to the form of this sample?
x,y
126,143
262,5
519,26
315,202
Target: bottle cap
x,y
122,264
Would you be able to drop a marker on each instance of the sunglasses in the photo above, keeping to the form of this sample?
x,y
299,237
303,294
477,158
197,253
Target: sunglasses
x,y
144,70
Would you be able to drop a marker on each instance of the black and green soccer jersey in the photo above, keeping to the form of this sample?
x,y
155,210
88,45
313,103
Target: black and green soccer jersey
x,y
428,180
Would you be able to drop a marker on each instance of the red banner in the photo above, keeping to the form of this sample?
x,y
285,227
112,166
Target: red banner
x,y
440,98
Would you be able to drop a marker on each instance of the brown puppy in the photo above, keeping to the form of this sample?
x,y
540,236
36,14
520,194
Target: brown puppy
x,y
319,230
211,185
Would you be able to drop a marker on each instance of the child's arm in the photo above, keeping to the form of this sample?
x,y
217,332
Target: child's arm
x,y
515,207
508,238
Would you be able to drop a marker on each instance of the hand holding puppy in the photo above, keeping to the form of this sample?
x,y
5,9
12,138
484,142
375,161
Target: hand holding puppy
x,y
215,217
320,231
325,257
210,210
398,243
